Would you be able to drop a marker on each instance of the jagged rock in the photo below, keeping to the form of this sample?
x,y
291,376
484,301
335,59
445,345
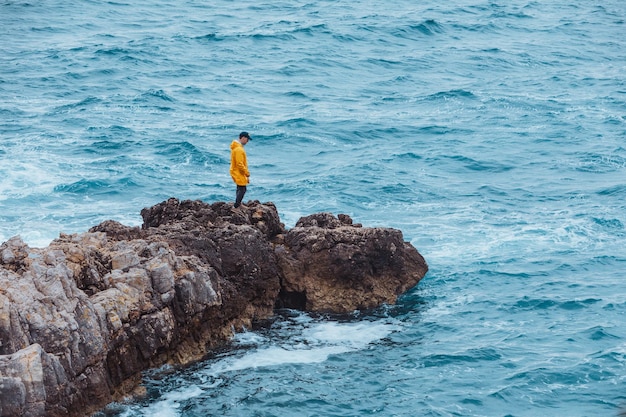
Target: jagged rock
x,y
80,319
331,265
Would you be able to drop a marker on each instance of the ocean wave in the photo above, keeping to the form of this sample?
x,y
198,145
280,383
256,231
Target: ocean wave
x,y
211,37
155,94
452,94
86,187
428,27
458,359
527,303
448,131
187,153
599,333
80,105
615,224
477,165
599,163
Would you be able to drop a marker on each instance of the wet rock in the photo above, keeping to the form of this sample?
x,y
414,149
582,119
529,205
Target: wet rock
x,y
82,318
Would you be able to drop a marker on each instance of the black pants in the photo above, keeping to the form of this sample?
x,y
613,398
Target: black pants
x,y
241,190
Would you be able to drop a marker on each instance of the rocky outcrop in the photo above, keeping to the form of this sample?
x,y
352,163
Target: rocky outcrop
x,y
329,264
81,318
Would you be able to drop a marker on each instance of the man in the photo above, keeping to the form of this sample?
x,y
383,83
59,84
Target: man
x,y
239,166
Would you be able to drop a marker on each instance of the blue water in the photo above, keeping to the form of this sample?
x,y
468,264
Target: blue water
x,y
491,132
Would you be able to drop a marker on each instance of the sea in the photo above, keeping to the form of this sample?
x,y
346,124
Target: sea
x,y
492,133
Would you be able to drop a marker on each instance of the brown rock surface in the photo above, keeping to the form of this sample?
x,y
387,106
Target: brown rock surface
x,y
331,265
81,318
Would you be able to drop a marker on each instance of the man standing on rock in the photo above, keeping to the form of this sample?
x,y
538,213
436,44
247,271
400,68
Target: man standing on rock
x,y
239,166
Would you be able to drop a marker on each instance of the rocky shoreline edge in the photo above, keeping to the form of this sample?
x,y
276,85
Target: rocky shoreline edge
x,y
82,318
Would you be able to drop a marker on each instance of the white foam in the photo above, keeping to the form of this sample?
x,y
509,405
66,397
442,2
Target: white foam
x,y
276,356
169,405
355,335
308,342
248,338
315,344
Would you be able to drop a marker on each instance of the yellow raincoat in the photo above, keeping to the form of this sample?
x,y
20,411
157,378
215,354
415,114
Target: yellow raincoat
x,y
239,164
